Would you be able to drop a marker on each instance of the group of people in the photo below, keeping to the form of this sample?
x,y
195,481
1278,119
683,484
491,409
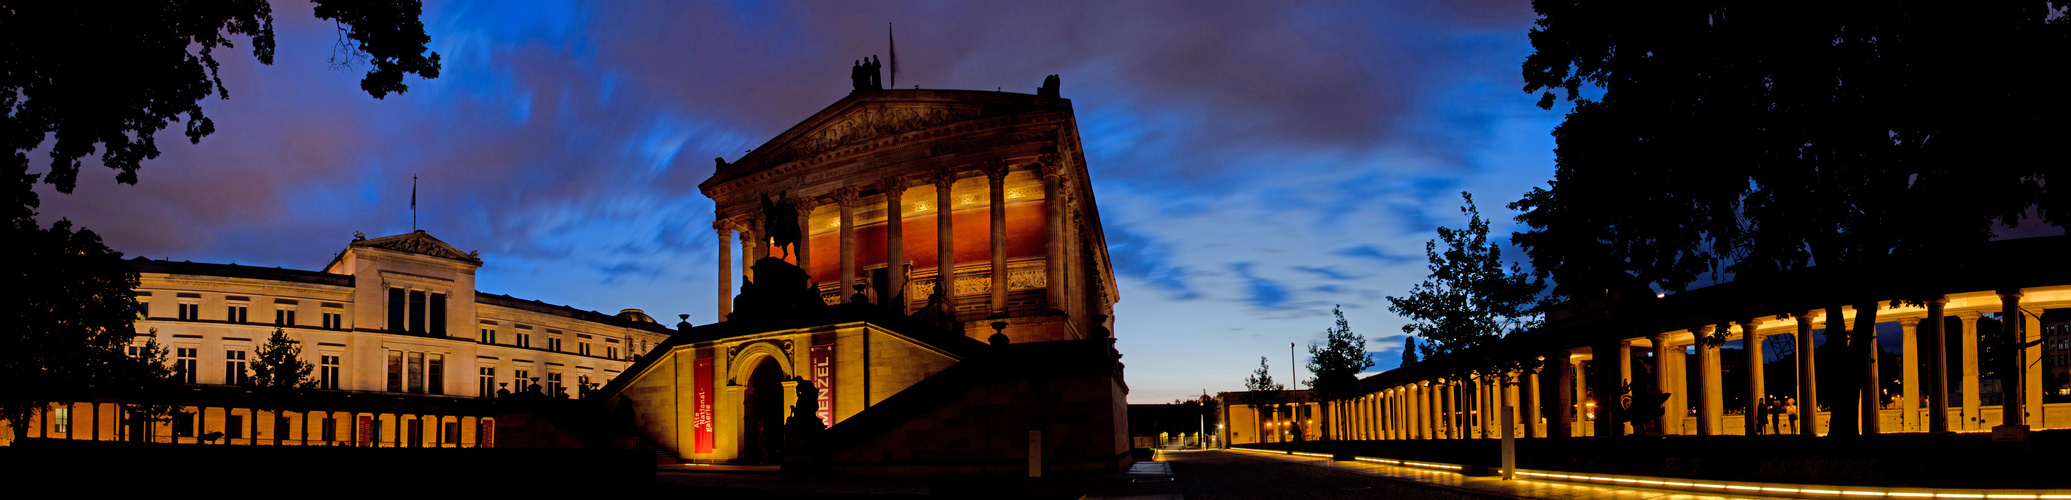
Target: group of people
x,y
866,74
1774,414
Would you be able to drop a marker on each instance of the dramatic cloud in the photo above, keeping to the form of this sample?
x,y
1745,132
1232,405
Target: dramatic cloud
x,y
1257,163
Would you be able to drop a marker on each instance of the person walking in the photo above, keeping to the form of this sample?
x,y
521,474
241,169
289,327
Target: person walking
x,y
1790,411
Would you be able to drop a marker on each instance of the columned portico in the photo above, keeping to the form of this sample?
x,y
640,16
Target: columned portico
x,y
996,181
944,181
895,298
1967,341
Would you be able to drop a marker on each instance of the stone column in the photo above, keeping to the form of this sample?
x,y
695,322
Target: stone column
x,y
2015,394
1563,422
1428,409
1449,408
847,198
751,243
1808,391
1871,396
2031,376
945,238
803,254
1530,402
1624,377
1909,376
1711,411
1937,366
895,298
1967,342
725,268
1671,414
1751,342
1053,233
1578,397
996,178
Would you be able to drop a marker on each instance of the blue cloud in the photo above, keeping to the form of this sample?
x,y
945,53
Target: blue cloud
x,y
1376,253
1261,292
1139,256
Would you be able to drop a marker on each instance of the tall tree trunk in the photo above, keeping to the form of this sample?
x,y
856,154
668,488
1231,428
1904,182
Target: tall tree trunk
x,y
1865,342
1843,419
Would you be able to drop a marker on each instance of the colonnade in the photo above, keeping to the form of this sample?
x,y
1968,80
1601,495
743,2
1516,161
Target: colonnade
x,y
113,421
891,191
1688,365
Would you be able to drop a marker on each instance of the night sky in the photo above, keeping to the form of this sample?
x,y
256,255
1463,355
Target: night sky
x,y
1256,163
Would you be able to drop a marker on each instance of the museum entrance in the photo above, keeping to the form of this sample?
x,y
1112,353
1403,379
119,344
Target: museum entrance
x,y
762,414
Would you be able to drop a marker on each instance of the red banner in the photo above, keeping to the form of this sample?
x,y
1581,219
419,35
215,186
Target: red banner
x,y
366,430
823,380
701,427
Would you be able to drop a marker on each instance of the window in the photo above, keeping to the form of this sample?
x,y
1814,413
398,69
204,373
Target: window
x,y
582,347
553,383
582,384
61,420
611,350
520,380
234,368
327,372
143,310
524,338
436,379
185,364
416,311
395,309
283,317
395,371
438,314
554,344
488,336
136,351
416,360
237,313
190,312
488,388
334,321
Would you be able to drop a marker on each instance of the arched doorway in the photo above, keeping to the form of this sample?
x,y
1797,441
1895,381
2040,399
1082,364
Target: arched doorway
x,y
762,414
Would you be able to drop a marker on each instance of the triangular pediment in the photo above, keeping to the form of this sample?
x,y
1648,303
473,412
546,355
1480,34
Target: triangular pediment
x,y
865,117
419,243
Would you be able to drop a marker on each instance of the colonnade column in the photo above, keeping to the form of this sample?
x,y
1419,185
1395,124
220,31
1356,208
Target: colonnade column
x,y
1672,413
725,268
1563,422
1578,398
1871,395
1967,344
803,254
1624,377
1530,402
1751,342
2031,375
1909,376
751,238
1808,392
895,244
996,178
847,198
1053,229
1711,414
945,240
1937,367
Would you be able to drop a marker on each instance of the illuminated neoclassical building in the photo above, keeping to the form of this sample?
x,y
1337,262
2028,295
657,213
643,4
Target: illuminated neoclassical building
x,y
1008,369
405,349
2006,297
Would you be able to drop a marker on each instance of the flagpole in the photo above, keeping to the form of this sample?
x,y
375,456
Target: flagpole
x,y
413,203
894,46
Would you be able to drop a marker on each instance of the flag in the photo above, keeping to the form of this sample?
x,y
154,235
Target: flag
x,y
894,43
413,192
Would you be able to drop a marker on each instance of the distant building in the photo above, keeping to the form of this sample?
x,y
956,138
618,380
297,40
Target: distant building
x,y
404,347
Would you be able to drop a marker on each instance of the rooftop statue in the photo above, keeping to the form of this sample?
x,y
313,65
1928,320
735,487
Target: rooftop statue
x,y
865,75
1049,88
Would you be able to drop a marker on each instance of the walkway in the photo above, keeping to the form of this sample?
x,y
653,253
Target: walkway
x,y
1488,487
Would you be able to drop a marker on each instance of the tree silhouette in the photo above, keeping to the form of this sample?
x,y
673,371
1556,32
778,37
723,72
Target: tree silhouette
x,y
71,317
1409,351
280,366
1469,302
1264,394
1747,140
1338,361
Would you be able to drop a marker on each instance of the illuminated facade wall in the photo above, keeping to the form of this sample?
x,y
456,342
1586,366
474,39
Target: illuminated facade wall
x,y
389,316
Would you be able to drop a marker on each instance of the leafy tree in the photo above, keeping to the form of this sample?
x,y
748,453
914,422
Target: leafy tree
x,y
152,378
1264,394
1768,137
1337,362
1470,302
69,322
280,366
92,74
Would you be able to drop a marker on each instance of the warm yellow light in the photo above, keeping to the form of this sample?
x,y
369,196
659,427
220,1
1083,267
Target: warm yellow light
x,y
920,207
